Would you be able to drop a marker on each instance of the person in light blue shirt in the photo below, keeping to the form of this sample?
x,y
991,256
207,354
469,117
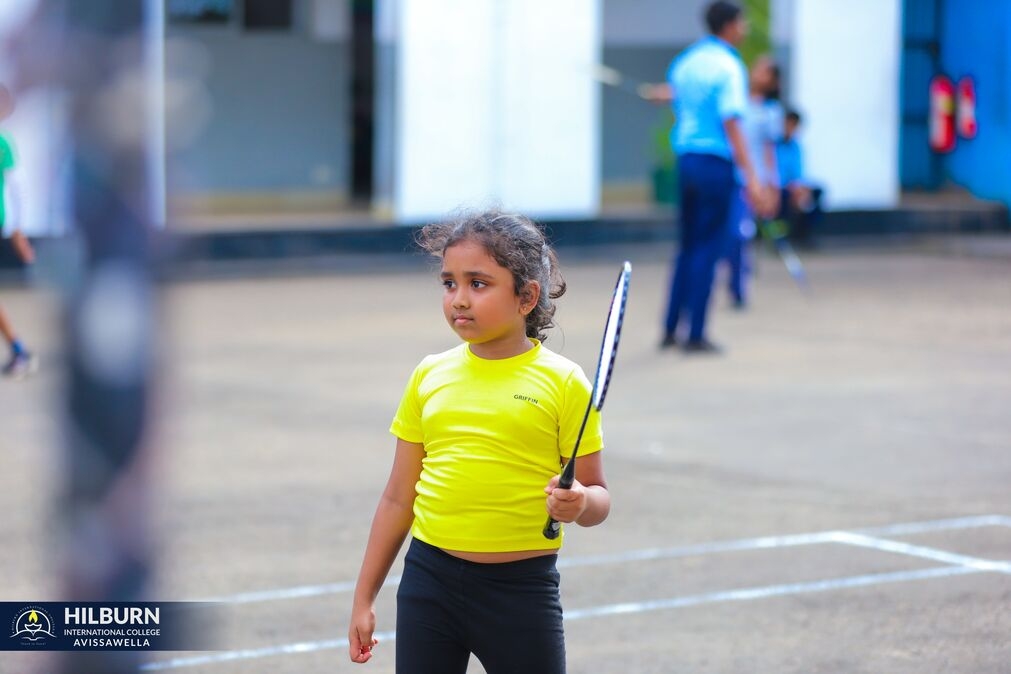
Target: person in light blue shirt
x,y
788,154
800,200
763,127
763,121
708,87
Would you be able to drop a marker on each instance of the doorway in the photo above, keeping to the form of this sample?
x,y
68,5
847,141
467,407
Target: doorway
x,y
362,106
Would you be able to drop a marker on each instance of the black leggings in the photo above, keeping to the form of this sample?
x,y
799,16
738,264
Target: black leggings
x,y
508,615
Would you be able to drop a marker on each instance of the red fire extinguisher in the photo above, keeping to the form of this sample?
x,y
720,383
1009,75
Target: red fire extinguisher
x,y
966,108
942,114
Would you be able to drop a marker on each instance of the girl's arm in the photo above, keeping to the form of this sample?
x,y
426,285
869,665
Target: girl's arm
x,y
739,149
390,527
772,171
588,502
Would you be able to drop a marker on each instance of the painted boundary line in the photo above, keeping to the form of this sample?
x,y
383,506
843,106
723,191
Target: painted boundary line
x,y
647,554
956,565
744,594
923,552
253,653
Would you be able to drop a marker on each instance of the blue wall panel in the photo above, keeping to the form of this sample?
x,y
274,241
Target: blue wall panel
x,y
918,168
976,41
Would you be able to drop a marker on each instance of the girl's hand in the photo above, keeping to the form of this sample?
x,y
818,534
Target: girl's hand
x,y
772,197
360,639
565,505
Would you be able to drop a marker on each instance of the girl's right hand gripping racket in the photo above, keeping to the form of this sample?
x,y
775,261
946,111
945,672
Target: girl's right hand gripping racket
x,y
608,350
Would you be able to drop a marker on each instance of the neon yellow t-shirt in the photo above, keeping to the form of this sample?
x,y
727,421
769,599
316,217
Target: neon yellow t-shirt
x,y
495,432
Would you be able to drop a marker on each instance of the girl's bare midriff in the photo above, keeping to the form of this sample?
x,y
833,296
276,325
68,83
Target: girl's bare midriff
x,y
498,557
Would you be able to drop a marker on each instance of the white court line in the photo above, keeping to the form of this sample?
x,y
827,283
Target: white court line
x,y
253,653
646,554
748,594
295,592
922,552
958,565
972,522
744,594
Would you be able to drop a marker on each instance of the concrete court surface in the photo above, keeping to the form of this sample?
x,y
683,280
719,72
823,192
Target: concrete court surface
x,y
757,495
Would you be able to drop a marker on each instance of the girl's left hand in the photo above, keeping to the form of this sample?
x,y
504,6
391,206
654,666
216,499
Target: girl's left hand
x,y
565,505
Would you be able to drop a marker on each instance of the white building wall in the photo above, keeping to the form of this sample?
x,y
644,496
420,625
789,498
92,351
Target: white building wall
x,y
494,105
845,60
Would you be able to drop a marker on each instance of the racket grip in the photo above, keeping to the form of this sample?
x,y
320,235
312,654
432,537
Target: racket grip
x,y
552,528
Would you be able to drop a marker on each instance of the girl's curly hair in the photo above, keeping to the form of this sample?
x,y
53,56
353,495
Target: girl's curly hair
x,y
514,242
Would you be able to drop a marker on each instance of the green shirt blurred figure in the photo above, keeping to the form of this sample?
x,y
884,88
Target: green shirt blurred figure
x,y
6,164
21,362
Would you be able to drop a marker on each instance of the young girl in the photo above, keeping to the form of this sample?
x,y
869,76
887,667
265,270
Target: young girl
x,y
482,430
763,126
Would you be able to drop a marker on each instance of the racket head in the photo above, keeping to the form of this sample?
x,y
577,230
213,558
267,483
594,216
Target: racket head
x,y
612,334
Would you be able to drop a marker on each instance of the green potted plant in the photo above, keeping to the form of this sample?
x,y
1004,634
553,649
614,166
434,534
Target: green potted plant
x,y
664,161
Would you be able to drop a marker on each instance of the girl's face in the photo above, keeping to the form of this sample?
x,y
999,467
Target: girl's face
x,y
480,300
763,77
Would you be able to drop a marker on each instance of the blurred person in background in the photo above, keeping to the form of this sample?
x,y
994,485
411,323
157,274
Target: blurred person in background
x,y
762,125
21,361
800,200
707,83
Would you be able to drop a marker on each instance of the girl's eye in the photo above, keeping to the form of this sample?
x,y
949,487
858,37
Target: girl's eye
x,y
478,284
447,284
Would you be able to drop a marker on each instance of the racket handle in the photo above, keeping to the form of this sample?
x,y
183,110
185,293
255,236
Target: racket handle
x,y
552,528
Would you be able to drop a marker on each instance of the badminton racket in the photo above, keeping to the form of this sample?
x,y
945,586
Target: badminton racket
x,y
615,78
776,232
605,365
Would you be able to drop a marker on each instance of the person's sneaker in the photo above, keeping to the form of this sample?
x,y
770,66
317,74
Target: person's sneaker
x,y
701,346
21,365
668,341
